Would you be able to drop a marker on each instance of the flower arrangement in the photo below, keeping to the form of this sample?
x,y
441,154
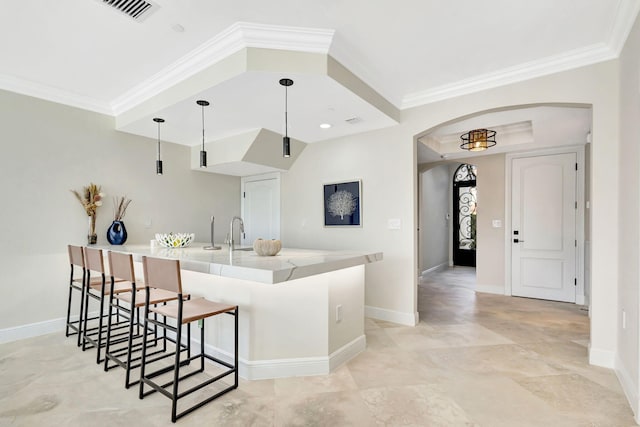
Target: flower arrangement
x,y
91,200
120,205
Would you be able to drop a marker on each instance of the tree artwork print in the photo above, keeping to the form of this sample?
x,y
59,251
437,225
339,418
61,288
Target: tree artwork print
x,y
342,204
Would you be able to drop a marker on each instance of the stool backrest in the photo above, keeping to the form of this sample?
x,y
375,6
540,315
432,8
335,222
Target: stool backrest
x,y
94,260
75,255
121,266
162,273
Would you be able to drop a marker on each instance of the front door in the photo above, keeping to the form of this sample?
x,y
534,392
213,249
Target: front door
x,y
543,235
464,214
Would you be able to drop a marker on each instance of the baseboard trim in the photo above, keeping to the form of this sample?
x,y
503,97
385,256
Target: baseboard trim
x,y
250,370
628,386
33,330
490,289
408,319
602,358
295,367
438,267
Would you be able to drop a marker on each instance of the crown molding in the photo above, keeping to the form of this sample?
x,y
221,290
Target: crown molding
x,y
236,37
552,64
625,17
626,14
49,93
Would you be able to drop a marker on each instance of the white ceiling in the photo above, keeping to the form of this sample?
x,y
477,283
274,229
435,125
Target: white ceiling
x,y
83,53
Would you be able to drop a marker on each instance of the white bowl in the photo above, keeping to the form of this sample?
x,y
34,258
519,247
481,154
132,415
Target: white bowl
x,y
174,240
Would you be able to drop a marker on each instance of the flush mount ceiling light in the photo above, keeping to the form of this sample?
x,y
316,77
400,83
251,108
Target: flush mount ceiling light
x,y
478,139
158,120
203,154
286,142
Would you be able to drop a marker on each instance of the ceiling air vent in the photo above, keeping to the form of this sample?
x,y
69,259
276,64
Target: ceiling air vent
x,y
353,120
136,9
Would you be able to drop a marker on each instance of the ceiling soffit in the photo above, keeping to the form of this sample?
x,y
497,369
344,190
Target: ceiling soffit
x,y
246,77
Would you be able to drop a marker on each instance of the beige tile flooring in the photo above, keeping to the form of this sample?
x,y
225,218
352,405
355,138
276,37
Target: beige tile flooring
x,y
474,360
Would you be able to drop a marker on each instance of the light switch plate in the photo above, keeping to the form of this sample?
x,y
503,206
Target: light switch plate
x,y
394,223
496,223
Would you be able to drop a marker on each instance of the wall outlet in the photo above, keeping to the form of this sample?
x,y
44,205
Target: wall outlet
x,y
338,313
147,223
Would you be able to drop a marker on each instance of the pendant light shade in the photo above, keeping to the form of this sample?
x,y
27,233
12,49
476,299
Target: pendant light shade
x,y
203,153
478,139
286,142
158,120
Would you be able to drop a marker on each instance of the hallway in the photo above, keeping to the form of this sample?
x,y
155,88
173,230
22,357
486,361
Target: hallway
x,y
473,360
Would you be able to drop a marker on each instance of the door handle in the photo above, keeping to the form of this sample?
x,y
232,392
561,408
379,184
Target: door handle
x,y
518,241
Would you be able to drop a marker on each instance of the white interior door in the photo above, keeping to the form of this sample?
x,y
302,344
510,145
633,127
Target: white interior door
x,y
543,240
261,210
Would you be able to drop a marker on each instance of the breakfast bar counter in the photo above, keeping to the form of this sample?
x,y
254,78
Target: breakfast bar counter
x,y
301,311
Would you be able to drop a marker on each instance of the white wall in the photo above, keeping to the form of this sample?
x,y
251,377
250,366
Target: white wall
x,y
49,149
629,220
385,162
435,202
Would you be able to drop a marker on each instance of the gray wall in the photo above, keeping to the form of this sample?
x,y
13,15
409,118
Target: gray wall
x,y
49,149
435,205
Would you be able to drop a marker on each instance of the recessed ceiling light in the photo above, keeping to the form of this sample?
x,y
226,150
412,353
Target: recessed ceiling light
x,y
325,125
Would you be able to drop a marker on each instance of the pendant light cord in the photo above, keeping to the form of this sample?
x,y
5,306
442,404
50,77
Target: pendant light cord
x,y
286,109
158,140
203,127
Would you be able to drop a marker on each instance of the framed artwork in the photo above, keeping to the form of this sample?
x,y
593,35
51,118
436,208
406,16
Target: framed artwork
x,y
343,204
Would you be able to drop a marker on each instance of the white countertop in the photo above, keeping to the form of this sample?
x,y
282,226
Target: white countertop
x,y
289,264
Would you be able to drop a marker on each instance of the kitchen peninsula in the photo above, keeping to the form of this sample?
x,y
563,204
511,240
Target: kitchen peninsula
x,y
301,311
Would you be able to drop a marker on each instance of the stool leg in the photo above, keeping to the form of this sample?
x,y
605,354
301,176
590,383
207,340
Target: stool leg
x,y
130,342
101,316
201,346
69,303
86,311
81,314
143,357
236,348
107,347
176,371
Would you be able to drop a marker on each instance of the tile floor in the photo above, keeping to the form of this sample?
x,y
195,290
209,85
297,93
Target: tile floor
x,y
474,360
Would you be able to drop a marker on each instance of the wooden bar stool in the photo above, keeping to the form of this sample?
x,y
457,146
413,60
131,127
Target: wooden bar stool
x,y
121,267
165,274
97,290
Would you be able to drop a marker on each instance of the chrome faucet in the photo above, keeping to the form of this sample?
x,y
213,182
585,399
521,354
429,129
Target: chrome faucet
x,y
231,241
213,247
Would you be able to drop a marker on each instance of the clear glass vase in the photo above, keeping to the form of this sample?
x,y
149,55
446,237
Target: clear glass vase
x,y
92,237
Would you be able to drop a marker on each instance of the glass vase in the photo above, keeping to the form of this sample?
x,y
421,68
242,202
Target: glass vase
x,y
92,237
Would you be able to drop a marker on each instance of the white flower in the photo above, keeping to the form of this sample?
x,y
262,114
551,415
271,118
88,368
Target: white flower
x,y
99,203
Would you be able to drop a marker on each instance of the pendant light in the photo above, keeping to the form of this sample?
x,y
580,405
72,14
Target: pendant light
x,y
478,140
203,154
286,142
158,120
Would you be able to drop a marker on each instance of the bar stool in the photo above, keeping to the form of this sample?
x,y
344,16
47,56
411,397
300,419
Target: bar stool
x,y
76,259
121,267
97,289
165,274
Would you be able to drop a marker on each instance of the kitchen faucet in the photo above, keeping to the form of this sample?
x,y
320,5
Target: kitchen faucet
x,y
231,241
213,247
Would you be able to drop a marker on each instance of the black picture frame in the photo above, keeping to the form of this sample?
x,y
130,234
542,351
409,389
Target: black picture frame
x,y
343,204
